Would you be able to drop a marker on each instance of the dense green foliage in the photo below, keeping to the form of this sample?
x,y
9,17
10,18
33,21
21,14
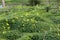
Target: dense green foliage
x,y
29,23
22,22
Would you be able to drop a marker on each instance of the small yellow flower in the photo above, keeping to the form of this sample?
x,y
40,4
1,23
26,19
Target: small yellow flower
x,y
13,21
23,25
26,14
37,13
4,32
27,19
16,17
7,24
32,20
58,34
8,27
21,16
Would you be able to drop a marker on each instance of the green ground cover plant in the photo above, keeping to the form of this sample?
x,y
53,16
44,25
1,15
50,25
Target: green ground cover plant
x,y
29,23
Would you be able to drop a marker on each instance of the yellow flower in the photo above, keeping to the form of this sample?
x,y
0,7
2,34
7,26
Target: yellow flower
x,y
8,27
27,19
37,13
26,14
13,20
58,34
32,20
4,32
7,24
16,17
21,16
23,25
